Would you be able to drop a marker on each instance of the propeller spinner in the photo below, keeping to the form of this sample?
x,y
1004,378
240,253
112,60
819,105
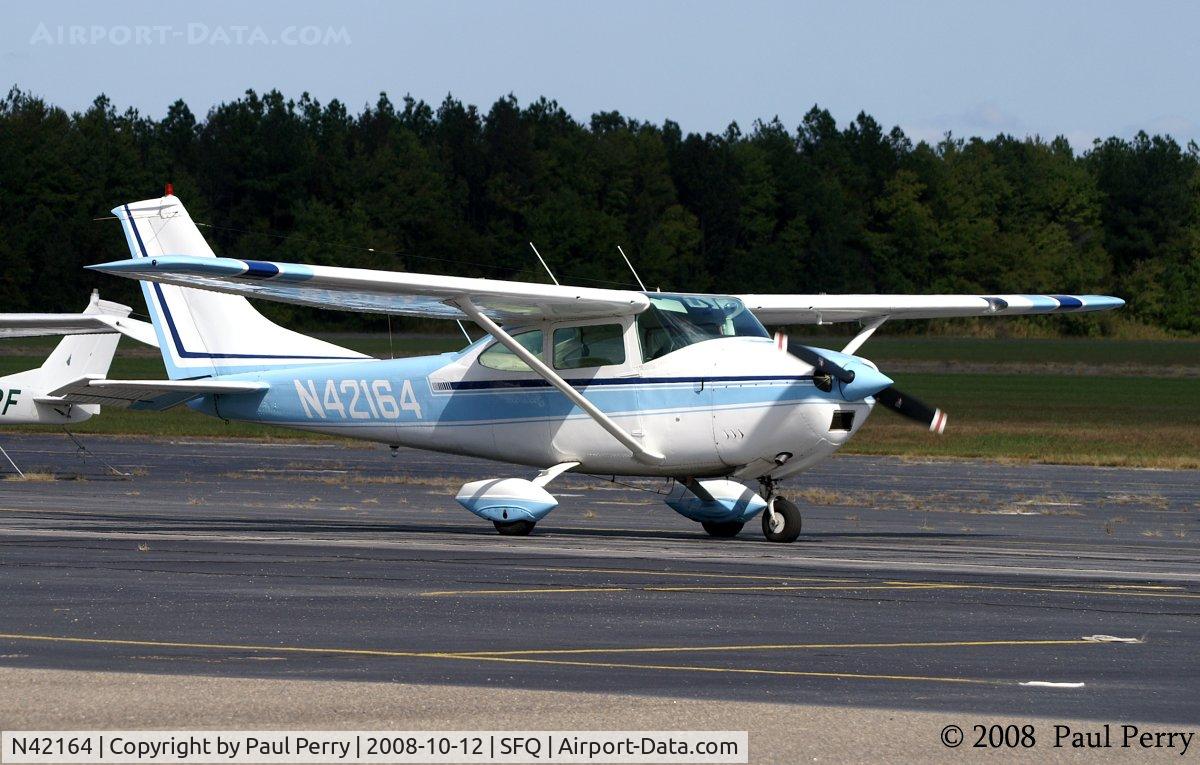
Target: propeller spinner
x,y
862,382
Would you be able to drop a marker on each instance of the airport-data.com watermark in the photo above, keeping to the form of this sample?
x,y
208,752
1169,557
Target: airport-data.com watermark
x,y
192,33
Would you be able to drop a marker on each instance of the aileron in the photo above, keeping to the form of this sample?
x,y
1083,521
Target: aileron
x,y
829,309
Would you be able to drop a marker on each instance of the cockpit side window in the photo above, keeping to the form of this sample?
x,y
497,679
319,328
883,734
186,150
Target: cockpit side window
x,y
677,321
499,357
592,345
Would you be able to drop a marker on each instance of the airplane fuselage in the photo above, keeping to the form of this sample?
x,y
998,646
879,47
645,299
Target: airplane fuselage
x,y
720,407
23,402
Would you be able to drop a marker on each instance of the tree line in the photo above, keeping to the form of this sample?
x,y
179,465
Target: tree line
x,y
451,189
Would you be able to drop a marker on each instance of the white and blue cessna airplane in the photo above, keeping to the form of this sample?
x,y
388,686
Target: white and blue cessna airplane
x,y
596,381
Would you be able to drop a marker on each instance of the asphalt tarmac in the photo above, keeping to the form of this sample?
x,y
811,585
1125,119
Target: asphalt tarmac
x,y
934,586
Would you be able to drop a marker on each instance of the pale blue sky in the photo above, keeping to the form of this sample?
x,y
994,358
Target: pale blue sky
x,y
1081,69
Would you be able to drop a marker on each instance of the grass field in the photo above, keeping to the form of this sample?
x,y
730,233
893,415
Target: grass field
x,y
1153,353
1089,420
1105,416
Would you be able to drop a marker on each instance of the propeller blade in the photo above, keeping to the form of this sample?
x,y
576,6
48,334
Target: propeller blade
x,y
809,356
912,408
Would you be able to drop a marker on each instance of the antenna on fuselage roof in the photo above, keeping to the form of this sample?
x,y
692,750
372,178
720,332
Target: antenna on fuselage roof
x,y
631,268
464,331
543,262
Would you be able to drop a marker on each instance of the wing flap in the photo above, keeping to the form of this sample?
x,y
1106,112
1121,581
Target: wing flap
x,y
371,291
828,309
148,394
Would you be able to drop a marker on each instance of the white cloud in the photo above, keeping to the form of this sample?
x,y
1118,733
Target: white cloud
x,y
985,119
1179,127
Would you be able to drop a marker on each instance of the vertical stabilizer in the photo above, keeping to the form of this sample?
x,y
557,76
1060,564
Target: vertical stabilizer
x,y
79,355
201,333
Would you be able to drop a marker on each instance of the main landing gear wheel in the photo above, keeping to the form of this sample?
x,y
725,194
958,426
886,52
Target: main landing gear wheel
x,y
514,528
782,525
722,529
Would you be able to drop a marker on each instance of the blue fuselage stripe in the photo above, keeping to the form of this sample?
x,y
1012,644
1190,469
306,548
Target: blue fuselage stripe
x,y
491,384
343,395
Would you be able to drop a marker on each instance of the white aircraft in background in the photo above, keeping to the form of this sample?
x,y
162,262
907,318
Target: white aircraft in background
x,y
92,337
596,381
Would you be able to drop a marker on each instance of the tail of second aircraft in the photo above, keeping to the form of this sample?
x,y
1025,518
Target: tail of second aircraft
x,y
74,357
208,334
79,355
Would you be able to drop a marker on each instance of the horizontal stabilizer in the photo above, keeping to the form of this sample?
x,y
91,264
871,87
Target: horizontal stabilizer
x,y
40,324
149,394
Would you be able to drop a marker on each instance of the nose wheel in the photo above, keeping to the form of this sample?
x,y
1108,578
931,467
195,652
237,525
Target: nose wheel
x,y
722,530
781,519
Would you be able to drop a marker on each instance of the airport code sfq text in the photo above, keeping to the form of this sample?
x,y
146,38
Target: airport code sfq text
x,y
373,746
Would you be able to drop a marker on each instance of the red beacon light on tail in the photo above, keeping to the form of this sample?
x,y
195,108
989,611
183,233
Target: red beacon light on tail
x,y
170,190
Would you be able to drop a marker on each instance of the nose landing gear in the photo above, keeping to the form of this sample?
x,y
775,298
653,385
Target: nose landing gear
x,y
781,520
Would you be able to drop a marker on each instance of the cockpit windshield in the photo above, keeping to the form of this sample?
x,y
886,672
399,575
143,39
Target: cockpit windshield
x,y
676,321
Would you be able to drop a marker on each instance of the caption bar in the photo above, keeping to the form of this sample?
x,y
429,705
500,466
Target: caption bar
x,y
373,746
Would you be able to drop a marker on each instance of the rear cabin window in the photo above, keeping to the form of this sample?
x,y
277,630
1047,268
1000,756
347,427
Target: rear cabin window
x,y
596,345
501,358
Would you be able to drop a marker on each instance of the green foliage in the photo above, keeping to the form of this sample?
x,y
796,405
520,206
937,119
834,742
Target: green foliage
x,y
450,189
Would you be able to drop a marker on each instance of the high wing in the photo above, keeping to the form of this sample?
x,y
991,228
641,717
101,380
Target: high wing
x,y
38,324
145,394
827,309
366,290
371,291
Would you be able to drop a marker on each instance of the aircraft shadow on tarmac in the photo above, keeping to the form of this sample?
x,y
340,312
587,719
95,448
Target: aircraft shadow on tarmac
x,y
164,524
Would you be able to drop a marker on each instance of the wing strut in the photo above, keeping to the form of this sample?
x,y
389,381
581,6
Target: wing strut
x,y
864,335
640,453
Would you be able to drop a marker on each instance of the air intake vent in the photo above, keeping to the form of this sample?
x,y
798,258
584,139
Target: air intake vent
x,y
842,421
